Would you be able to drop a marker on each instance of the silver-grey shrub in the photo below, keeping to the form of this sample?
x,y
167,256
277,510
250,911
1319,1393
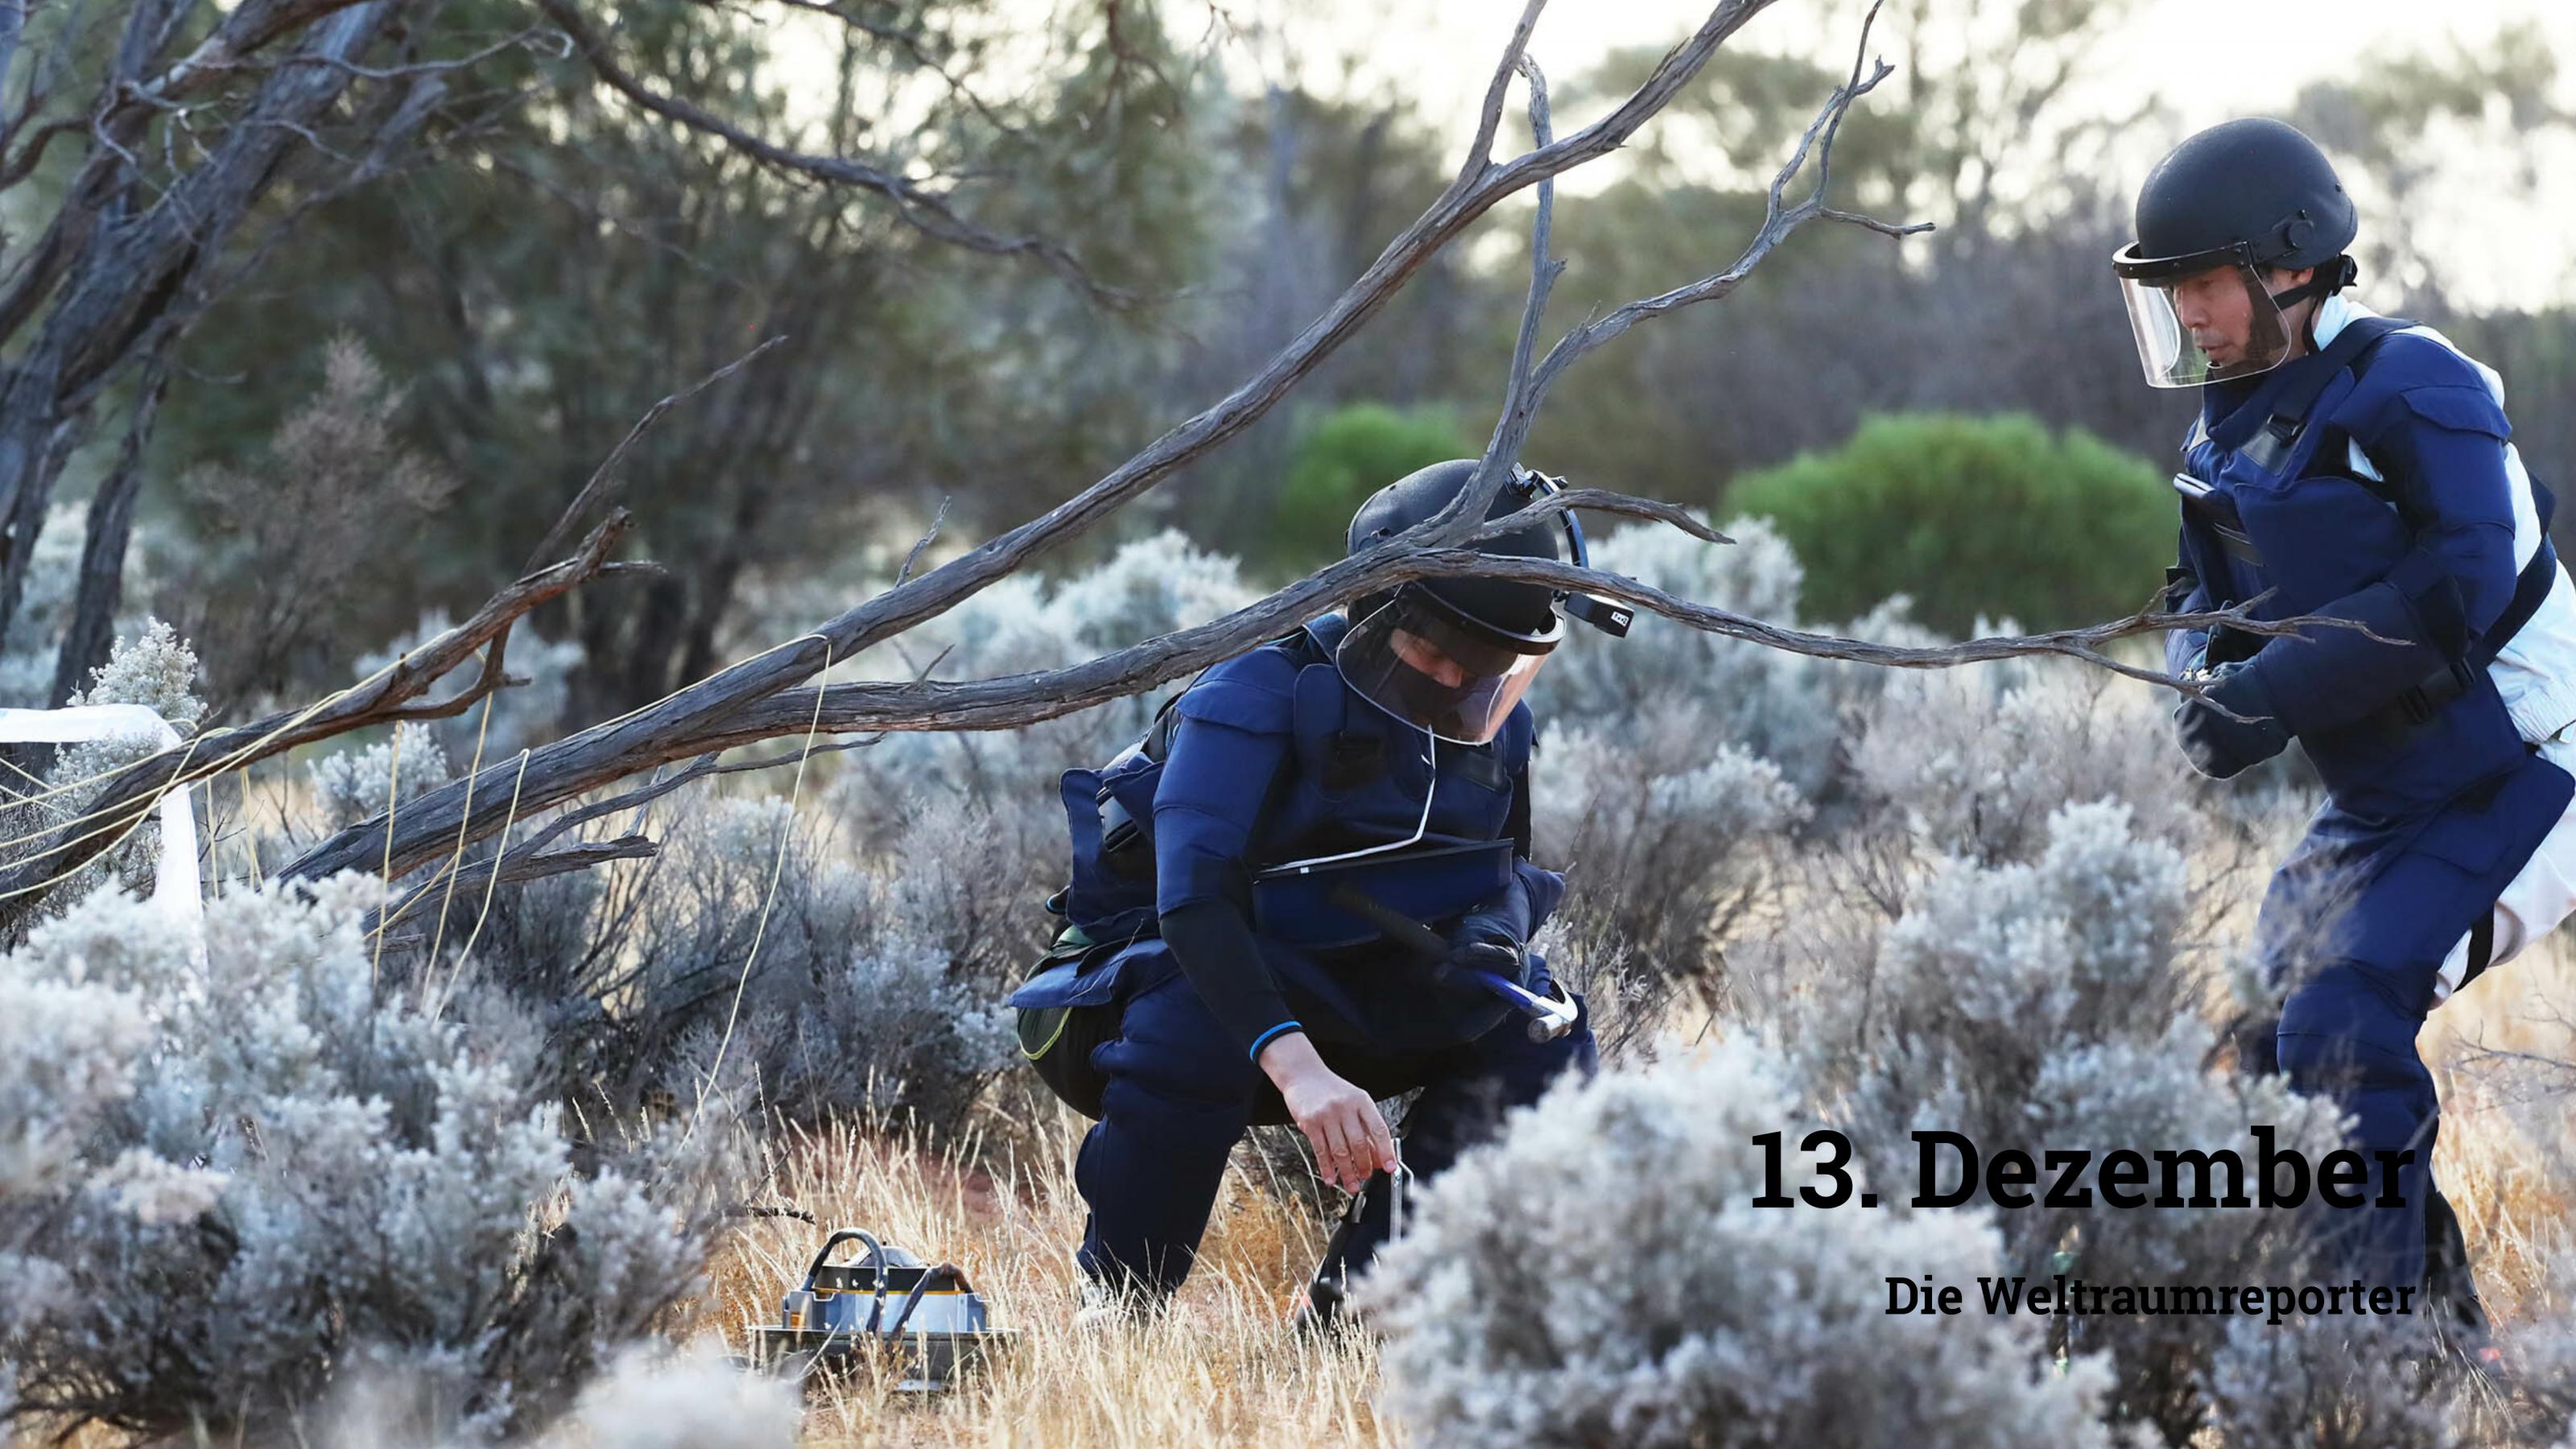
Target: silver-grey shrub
x,y
235,1175
2338,1383
849,955
1666,837
156,669
1781,706
760,957
1022,623
1599,1276
1976,760
2057,1004
1677,767
359,783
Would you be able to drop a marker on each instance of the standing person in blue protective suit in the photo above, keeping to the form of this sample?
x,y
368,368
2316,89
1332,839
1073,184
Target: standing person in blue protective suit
x,y
2356,467
1244,938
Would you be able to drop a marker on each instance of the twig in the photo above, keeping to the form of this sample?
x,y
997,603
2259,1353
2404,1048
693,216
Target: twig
x,y
1602,500
918,549
1527,390
1520,403
1489,116
604,480
130,791
923,210
1780,218
705,767
1011,701
542,41
518,869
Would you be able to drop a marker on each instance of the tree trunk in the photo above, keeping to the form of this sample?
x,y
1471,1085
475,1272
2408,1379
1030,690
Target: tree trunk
x,y
90,634
112,297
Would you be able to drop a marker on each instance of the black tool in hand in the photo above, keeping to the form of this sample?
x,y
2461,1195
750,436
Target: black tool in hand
x,y
1549,1017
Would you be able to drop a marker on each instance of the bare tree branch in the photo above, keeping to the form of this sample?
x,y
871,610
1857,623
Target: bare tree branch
x,y
251,27
514,869
1011,701
1780,218
922,545
1602,500
545,42
1527,391
604,479
753,701
704,767
101,289
1489,117
383,698
1520,403
638,741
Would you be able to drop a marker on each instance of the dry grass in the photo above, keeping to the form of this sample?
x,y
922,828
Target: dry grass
x,y
2504,1052
1220,1369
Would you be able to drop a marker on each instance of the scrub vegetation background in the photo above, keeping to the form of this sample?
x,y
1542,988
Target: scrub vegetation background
x,y
519,1168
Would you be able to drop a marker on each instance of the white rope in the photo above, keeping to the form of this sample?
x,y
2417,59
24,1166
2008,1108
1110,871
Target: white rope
x,y
777,864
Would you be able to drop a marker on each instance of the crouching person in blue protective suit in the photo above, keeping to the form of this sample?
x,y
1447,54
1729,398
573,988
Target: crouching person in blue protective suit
x,y
2356,467
1309,888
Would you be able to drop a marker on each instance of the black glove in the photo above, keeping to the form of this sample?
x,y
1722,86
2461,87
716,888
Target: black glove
x,y
1486,941
2218,746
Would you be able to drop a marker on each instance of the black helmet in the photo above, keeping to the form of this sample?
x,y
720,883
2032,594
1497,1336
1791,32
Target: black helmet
x,y
1515,613
1453,655
2255,188
2248,196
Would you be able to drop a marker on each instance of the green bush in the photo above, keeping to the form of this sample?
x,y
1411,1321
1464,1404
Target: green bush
x,y
1346,455
1972,516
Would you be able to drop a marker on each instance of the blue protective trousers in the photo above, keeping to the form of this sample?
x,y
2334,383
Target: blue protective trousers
x,y
2356,939
2351,1036
1180,1094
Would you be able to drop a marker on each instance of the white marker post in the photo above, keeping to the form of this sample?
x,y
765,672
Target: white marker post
x,y
175,887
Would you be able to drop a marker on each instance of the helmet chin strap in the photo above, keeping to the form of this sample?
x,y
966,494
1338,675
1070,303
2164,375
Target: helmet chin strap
x,y
2324,282
2327,280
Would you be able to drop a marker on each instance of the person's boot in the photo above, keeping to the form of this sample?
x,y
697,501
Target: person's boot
x,y
1320,1307
1366,1225
2451,1292
1105,1307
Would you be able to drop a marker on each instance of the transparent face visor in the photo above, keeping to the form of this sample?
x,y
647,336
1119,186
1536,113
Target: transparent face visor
x,y
1425,668
2210,323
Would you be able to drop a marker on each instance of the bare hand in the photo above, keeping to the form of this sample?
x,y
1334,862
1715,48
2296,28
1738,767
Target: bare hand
x,y
1341,1121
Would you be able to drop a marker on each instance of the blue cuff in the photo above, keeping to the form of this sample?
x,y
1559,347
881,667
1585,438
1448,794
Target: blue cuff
x,y
1271,1035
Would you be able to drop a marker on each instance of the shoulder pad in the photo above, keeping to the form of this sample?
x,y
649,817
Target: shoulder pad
x,y
1324,633
1322,702
2411,378
2412,359
2461,409
1250,692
